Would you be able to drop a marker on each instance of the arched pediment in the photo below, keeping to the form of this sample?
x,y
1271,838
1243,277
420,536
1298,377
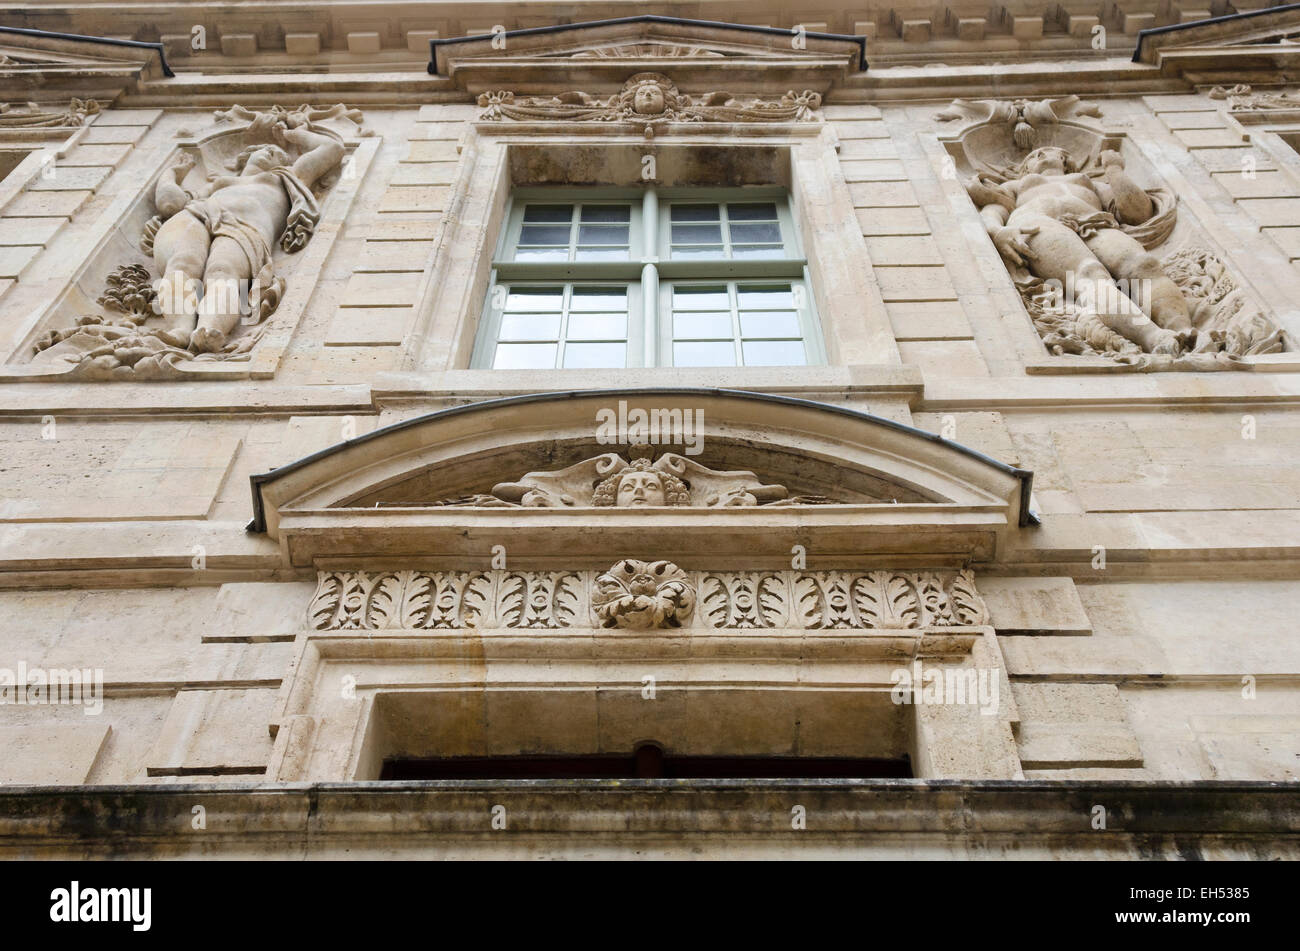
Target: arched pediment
x,y
728,470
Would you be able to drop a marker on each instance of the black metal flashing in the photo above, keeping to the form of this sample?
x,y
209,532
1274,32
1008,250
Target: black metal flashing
x,y
105,40
257,480
435,45
1157,30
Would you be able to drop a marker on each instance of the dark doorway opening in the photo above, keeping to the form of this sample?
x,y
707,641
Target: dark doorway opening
x,y
646,762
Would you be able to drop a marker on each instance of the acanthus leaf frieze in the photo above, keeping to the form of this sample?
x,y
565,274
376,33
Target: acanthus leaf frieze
x,y
634,594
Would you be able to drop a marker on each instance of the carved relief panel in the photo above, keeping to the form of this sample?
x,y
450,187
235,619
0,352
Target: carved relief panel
x,y
1105,262
201,268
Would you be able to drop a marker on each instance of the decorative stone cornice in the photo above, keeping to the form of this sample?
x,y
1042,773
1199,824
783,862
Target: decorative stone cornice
x,y
649,98
1257,820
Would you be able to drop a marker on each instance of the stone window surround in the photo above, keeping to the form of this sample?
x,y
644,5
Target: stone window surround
x,y
496,159
329,723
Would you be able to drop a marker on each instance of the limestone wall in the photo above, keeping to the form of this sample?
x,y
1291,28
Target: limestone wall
x,y
124,504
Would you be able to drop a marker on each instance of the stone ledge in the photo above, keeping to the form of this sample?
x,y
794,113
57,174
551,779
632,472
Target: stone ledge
x,y
553,817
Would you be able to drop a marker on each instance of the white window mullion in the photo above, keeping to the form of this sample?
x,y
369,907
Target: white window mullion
x,y
650,278
733,297
565,304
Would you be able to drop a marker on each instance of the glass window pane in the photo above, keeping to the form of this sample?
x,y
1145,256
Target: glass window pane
x,y
757,211
544,234
542,254
530,327
606,213
697,234
774,353
769,324
719,354
532,299
525,356
700,298
757,252
762,233
597,327
688,212
765,297
599,298
705,252
595,355
600,254
548,213
702,326
602,234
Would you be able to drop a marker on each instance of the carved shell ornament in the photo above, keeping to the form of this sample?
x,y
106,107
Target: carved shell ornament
x,y
641,595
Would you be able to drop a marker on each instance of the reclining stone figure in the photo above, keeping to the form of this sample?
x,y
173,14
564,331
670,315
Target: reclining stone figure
x,y
1062,225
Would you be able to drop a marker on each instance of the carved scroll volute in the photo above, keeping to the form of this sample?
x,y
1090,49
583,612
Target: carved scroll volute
x,y
562,488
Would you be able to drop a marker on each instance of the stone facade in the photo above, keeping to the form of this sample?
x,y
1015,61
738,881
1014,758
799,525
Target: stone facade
x,y
1024,526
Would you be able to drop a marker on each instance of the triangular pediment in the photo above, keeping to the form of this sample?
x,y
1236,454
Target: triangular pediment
x,y
600,53
1242,48
37,64
648,50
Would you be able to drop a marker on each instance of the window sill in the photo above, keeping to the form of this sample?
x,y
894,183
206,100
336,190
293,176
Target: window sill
x,y
485,384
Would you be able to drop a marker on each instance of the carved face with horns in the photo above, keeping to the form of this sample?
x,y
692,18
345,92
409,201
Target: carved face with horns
x,y
641,485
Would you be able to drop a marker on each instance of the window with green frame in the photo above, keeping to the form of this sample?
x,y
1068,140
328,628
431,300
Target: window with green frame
x,y
603,278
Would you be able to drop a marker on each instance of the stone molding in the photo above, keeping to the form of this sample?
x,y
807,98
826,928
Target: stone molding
x,y
561,818
700,600
650,97
31,115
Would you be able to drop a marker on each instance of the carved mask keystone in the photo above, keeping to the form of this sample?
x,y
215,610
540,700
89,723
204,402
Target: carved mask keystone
x,y
641,595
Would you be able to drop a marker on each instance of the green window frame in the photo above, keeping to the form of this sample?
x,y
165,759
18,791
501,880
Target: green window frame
x,y
665,248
